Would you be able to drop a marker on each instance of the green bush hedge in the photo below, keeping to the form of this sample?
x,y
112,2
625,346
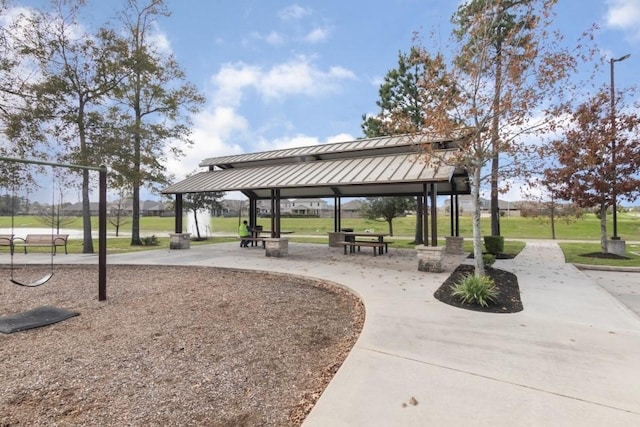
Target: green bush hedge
x,y
494,244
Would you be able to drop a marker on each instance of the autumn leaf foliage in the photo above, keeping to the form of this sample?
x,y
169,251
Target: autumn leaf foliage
x,y
587,169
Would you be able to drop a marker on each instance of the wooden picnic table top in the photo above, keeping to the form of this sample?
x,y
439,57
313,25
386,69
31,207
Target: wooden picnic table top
x,y
363,233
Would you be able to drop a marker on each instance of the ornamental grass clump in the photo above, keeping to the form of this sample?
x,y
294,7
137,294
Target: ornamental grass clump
x,y
474,289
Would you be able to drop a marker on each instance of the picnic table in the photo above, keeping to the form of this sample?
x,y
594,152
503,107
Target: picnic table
x,y
258,234
353,240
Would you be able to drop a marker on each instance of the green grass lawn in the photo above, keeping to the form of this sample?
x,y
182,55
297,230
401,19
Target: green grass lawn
x,y
574,253
587,228
314,230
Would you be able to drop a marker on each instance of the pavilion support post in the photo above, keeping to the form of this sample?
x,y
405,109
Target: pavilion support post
x,y
277,229
273,213
337,213
276,246
434,214
454,244
457,215
336,236
178,213
179,240
452,215
425,215
253,212
419,208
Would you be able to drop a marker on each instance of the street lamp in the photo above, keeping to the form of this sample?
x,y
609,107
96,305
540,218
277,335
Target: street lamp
x,y
613,146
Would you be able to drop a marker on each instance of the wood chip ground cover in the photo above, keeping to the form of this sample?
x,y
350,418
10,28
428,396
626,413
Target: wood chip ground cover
x,y
174,346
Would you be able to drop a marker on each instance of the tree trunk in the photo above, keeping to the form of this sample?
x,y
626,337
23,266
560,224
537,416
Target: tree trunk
x,y
495,147
603,228
477,241
390,221
553,221
135,216
195,221
87,238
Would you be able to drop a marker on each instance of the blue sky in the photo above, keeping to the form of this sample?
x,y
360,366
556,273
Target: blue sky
x,y
278,74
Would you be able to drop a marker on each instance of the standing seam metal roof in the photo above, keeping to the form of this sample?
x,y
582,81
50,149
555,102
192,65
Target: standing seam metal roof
x,y
400,173
357,148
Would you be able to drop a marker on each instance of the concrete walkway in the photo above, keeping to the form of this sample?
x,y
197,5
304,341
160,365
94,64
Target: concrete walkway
x,y
572,357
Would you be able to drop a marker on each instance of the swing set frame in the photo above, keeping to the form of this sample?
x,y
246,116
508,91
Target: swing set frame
x,y
102,215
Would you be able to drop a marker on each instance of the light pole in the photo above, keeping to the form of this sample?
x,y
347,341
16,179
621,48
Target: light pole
x,y
613,145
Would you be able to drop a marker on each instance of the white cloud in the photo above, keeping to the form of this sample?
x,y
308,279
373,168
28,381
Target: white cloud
x,y
300,76
296,77
624,15
220,123
317,35
213,128
231,80
341,137
274,38
160,41
293,13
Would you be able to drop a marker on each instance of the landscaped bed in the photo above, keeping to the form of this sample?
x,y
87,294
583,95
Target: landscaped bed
x,y
506,283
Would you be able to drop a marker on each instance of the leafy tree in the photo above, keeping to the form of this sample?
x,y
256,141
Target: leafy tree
x,y
206,201
17,100
78,71
403,102
154,106
497,105
587,172
504,31
386,208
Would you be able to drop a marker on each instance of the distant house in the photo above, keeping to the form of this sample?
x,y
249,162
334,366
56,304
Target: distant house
x,y
306,207
297,207
147,208
75,209
466,206
352,209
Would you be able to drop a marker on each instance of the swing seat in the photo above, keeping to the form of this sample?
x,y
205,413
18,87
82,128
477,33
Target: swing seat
x,y
38,282
41,316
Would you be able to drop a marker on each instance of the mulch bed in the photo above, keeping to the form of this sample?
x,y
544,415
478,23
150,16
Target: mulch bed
x,y
508,300
602,255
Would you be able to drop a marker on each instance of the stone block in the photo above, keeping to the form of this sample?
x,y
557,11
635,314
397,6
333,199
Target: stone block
x,y
276,247
617,246
430,258
454,245
334,238
179,240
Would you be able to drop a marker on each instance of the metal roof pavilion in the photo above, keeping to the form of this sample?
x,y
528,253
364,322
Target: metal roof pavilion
x,y
386,166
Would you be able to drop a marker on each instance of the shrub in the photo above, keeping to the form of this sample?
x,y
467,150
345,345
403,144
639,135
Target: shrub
x,y
474,289
488,259
150,240
494,244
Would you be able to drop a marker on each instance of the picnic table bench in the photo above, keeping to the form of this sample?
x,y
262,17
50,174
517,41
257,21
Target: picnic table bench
x,y
377,246
368,239
253,240
42,240
7,240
